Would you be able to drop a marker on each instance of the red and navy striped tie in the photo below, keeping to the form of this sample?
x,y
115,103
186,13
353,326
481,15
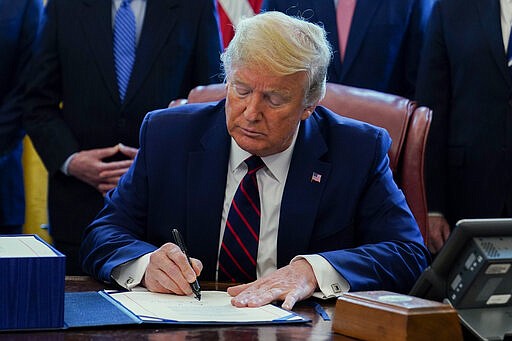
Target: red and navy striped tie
x,y
239,249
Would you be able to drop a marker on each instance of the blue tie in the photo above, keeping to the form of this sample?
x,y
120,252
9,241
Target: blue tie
x,y
124,45
239,249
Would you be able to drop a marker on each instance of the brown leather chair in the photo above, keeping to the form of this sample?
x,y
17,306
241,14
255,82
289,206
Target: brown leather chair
x,y
202,93
407,124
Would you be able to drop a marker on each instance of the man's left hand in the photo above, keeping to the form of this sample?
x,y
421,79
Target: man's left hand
x,y
292,283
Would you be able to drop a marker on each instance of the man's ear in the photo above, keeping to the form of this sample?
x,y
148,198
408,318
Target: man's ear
x,y
308,111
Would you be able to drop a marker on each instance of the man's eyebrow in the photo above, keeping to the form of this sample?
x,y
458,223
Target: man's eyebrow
x,y
284,93
238,82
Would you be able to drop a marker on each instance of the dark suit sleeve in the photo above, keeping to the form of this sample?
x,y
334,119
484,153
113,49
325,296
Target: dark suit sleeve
x,y
434,91
391,253
11,103
50,135
116,235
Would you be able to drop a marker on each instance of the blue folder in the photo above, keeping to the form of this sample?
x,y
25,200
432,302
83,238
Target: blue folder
x,y
94,309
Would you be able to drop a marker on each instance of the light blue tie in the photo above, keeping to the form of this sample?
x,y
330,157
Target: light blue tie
x,y
124,45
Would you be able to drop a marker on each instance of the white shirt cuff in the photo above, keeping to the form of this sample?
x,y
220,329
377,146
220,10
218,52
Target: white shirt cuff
x,y
330,282
129,274
65,165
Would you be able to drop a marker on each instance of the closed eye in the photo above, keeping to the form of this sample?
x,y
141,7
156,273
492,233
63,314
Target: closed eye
x,y
275,100
241,90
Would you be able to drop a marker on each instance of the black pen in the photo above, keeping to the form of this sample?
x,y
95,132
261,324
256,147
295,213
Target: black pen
x,y
196,289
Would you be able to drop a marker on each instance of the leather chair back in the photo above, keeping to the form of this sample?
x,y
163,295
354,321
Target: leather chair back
x,y
408,126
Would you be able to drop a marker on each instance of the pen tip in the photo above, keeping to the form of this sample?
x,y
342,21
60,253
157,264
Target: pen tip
x,y
198,297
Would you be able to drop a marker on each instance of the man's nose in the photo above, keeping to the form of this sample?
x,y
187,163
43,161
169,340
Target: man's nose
x,y
254,107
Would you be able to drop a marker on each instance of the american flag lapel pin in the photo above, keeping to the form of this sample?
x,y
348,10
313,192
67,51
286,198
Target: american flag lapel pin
x,y
315,177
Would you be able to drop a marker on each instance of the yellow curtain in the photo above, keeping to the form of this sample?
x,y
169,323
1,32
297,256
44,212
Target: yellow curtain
x,y
36,181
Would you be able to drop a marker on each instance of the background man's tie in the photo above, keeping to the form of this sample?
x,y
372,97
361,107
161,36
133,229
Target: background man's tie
x,y
124,45
239,249
344,14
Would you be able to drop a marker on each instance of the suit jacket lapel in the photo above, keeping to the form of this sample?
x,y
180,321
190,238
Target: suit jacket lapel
x,y
363,16
96,20
301,197
159,20
489,13
204,227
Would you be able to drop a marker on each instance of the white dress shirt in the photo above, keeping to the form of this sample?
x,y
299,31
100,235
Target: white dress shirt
x,y
506,21
271,183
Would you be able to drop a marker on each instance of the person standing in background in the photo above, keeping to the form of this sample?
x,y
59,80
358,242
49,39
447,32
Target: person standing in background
x,y
465,77
19,23
101,67
376,44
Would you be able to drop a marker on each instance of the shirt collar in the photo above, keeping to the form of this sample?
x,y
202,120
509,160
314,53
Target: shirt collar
x,y
277,164
506,7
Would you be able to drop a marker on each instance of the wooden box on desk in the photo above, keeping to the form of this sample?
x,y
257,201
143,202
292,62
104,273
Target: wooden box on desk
x,y
384,315
32,275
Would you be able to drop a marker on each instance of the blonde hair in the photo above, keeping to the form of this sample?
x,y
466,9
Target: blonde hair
x,y
284,45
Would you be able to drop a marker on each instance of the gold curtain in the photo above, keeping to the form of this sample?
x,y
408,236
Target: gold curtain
x,y
36,181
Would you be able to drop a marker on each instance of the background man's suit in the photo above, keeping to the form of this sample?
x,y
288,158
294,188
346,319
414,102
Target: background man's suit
x,y
19,22
384,44
178,49
465,80
355,202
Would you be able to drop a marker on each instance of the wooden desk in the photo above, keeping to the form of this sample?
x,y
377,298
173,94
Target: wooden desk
x,y
318,329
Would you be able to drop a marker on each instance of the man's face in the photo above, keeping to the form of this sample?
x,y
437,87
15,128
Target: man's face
x,y
263,111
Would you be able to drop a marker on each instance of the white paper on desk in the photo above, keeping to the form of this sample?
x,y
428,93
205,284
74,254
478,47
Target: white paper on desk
x,y
215,306
24,246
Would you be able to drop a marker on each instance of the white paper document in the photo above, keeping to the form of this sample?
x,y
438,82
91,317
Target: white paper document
x,y
214,307
24,246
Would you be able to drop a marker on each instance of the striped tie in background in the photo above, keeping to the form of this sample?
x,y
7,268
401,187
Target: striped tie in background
x,y
124,45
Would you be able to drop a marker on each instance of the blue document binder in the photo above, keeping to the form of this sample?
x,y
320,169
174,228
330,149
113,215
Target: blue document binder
x,y
93,309
31,283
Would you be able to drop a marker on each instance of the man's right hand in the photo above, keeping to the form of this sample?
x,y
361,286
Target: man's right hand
x,y
88,166
438,232
168,271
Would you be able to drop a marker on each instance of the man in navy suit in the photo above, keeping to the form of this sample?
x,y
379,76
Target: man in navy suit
x,y
332,219
84,129
384,42
464,78
19,22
